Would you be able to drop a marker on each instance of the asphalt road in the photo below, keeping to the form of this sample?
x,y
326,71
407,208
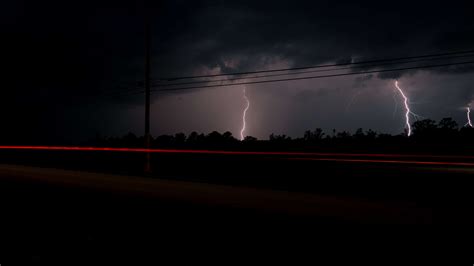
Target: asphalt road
x,y
367,188
60,202
297,204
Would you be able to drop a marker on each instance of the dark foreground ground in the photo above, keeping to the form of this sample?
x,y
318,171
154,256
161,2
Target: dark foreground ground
x,y
56,202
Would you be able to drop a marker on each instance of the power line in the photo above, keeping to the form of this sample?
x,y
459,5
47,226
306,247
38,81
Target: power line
x,y
311,71
124,91
139,84
313,77
304,78
318,66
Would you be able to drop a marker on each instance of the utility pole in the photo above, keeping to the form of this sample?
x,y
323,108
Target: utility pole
x,y
147,88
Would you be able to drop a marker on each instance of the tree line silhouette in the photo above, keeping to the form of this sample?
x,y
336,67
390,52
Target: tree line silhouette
x,y
427,135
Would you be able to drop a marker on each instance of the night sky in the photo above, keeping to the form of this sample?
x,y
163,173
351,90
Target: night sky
x,y
64,63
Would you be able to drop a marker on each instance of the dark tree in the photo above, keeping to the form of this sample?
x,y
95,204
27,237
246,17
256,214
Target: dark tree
x,y
313,136
448,123
250,139
180,138
424,129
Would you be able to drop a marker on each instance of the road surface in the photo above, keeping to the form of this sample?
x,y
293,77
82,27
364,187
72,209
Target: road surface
x,y
52,201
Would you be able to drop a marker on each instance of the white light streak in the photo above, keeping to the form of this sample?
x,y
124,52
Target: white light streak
x,y
244,123
407,109
469,122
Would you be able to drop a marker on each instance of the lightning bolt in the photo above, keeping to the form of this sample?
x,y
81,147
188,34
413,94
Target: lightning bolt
x,y
408,112
244,116
351,102
469,123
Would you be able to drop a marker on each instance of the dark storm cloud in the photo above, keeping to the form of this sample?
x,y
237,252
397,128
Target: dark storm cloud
x,y
316,32
61,55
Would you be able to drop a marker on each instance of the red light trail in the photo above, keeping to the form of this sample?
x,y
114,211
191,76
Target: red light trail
x,y
220,152
384,161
